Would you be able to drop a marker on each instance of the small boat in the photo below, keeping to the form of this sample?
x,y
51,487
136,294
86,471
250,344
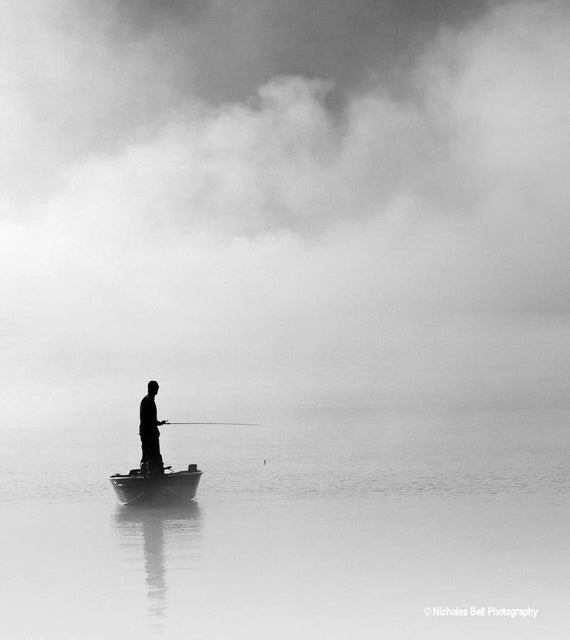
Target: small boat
x,y
172,486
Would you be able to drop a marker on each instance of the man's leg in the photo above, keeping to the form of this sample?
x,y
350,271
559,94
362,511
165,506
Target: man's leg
x,y
146,456
155,459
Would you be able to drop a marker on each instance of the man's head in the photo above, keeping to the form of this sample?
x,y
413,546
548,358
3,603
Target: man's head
x,y
153,387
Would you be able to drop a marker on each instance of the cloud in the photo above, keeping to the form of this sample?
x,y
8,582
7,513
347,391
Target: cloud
x,y
81,78
273,252
478,158
232,48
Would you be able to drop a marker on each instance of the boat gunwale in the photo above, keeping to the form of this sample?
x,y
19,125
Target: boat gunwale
x,y
161,476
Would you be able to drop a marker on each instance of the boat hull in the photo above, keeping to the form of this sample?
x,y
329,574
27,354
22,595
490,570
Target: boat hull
x,y
160,489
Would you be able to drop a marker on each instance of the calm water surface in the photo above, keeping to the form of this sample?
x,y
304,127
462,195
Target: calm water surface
x,y
346,531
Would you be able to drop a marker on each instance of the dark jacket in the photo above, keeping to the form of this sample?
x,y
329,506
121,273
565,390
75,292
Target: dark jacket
x,y
148,429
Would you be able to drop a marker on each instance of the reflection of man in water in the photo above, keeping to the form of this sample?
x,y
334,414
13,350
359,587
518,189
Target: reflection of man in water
x,y
151,459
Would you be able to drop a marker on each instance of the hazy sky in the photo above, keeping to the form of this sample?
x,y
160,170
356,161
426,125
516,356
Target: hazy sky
x,y
281,209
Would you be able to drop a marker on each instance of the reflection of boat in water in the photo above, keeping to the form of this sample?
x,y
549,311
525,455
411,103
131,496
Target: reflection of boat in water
x,y
136,487
156,541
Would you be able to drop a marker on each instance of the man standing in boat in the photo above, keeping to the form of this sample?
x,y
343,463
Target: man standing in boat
x,y
151,461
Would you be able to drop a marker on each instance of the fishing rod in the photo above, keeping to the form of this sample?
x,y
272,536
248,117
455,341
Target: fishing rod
x,y
235,424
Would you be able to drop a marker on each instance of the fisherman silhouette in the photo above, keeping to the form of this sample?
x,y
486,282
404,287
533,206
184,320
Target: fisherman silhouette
x,y
151,461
